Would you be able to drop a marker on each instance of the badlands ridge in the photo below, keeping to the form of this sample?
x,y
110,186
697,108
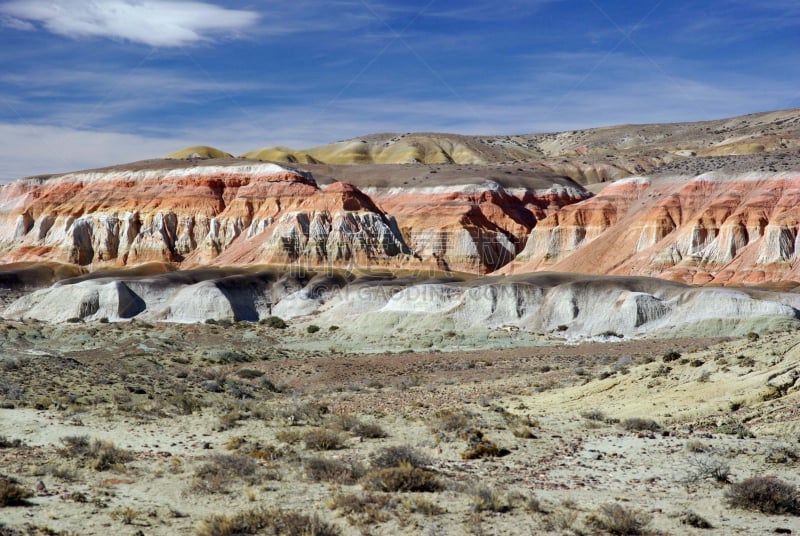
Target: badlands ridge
x,y
398,226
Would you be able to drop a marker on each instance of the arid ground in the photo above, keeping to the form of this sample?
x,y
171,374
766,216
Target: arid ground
x,y
133,428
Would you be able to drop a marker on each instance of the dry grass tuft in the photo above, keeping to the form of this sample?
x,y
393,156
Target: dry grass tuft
x,y
405,478
330,470
268,522
619,520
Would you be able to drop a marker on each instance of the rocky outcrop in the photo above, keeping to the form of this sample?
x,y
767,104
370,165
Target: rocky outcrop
x,y
192,215
571,306
713,228
233,212
474,228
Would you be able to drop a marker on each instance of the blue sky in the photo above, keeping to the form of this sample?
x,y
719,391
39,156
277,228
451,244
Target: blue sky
x,y
86,83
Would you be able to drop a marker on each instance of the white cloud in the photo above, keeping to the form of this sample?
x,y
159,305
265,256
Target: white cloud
x,y
16,24
159,23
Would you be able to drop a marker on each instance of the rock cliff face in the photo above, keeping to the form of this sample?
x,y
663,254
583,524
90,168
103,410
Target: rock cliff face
x,y
472,228
714,228
192,215
571,306
234,212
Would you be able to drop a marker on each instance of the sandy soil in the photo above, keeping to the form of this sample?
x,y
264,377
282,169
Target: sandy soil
x,y
174,397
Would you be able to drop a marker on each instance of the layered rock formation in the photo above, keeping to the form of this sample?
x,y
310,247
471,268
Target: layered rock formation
x,y
234,212
571,306
714,228
475,227
191,215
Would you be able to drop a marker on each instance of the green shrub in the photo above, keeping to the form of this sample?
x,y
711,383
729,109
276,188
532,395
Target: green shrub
x,y
313,328
273,322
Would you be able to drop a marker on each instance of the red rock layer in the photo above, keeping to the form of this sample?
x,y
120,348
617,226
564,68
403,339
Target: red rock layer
x,y
263,213
471,228
188,215
708,229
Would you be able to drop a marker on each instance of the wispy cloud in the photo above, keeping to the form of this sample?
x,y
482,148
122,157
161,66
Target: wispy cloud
x,y
159,23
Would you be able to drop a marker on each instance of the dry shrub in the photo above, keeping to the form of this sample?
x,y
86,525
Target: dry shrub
x,y
222,470
421,505
767,494
619,520
302,413
709,468
329,470
405,478
363,509
267,522
6,443
97,454
695,520
12,493
450,421
639,424
488,499
352,424
323,439
126,515
480,447
291,437
782,454
397,456
368,430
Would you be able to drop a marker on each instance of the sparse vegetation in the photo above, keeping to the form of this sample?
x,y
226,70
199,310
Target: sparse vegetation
x,y
397,456
480,446
332,470
96,454
221,471
404,478
275,322
323,439
767,494
695,520
261,521
639,424
619,520
12,493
